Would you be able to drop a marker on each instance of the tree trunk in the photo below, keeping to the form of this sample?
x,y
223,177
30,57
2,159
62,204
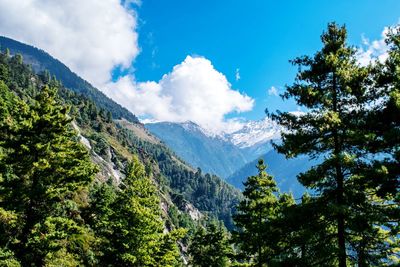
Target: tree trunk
x,y
340,183
361,256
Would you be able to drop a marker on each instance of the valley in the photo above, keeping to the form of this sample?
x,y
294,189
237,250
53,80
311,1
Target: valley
x,y
166,165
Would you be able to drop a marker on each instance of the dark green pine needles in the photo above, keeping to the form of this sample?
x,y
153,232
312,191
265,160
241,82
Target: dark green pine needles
x,y
43,172
354,191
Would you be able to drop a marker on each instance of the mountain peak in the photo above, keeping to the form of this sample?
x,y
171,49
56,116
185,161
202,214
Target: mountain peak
x,y
193,127
252,133
255,132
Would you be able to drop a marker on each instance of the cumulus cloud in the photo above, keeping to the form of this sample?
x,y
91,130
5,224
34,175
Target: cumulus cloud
x,y
372,50
94,37
91,37
273,91
194,90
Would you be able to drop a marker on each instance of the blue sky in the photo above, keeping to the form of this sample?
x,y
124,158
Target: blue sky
x,y
179,60
256,37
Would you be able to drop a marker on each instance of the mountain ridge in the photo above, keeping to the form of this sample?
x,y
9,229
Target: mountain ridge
x,y
41,61
221,154
211,154
112,143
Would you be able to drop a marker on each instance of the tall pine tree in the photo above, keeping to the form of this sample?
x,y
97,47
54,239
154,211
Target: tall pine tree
x,y
255,215
337,94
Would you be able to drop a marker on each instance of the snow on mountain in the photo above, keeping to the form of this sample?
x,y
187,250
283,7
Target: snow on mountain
x,y
254,133
193,127
200,148
251,134
217,153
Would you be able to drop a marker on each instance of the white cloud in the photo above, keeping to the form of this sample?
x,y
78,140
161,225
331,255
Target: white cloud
x,y
91,37
273,91
193,91
237,74
372,50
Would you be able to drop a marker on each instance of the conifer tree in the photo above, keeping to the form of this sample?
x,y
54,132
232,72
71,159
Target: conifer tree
x,y
43,172
337,94
303,236
255,215
130,225
210,247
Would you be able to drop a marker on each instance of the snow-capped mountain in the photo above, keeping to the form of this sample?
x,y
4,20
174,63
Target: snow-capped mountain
x,y
193,127
254,133
251,133
198,147
222,153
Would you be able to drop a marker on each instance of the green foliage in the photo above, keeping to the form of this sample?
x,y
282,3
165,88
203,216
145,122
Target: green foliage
x,y
130,227
8,259
60,258
181,219
210,247
255,215
299,231
43,170
60,240
99,143
44,62
351,208
208,193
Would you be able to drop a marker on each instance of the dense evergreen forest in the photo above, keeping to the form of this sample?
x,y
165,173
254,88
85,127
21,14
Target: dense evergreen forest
x,y
39,139
58,206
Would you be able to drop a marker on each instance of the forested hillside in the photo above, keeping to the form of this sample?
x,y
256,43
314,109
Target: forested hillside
x,y
97,125
79,188
41,61
198,149
52,185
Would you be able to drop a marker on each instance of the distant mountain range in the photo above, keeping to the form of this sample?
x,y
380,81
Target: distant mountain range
x,y
190,142
220,154
254,134
233,156
284,171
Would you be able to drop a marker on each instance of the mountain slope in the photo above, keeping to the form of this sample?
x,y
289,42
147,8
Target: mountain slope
x,y
221,154
190,142
254,134
284,170
185,193
41,61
